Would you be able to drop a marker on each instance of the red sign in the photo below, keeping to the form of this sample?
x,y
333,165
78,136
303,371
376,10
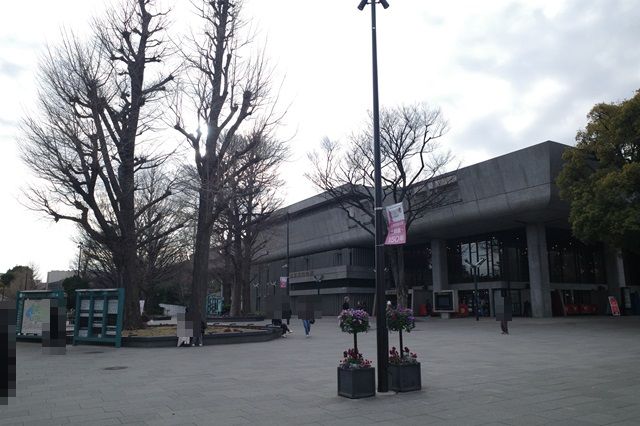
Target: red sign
x,y
396,229
615,310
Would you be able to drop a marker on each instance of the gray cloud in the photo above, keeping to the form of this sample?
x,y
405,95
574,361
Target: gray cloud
x,y
6,123
590,48
10,69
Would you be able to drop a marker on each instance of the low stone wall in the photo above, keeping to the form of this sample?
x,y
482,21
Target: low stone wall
x,y
260,334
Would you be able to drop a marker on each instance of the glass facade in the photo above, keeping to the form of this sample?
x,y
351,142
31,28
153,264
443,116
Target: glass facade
x,y
417,262
631,268
571,261
494,248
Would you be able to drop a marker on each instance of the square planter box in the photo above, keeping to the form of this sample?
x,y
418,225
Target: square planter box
x,y
357,383
405,378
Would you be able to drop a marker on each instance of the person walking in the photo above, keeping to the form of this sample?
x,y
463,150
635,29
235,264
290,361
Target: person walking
x,y
504,325
306,323
286,314
345,303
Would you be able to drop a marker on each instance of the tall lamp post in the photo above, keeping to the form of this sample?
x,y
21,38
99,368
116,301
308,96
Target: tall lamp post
x,y
80,246
382,335
474,270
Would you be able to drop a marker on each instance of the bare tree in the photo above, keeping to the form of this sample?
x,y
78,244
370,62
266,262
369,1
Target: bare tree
x,y
410,158
223,90
97,102
256,199
163,240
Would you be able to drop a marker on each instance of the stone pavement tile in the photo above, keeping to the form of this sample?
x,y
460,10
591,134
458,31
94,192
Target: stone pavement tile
x,y
139,418
383,415
94,418
570,422
8,413
598,418
176,422
189,412
411,421
54,422
342,421
526,420
629,422
96,422
560,413
226,421
44,422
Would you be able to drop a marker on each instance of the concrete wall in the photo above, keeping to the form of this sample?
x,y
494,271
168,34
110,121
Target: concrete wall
x,y
506,190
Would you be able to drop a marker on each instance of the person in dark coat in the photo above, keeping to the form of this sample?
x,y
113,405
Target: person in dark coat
x,y
345,304
286,315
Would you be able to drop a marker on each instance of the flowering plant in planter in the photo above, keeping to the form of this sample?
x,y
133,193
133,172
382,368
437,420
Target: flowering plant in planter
x,y
401,319
354,321
354,359
404,358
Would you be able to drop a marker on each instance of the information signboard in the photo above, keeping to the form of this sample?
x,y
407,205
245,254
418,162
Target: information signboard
x,y
445,301
33,308
99,315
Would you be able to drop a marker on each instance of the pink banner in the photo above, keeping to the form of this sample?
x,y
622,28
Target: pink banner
x,y
283,282
396,225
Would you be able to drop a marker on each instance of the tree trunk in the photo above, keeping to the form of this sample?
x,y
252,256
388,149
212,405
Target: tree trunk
x,y
125,265
200,281
235,295
246,277
132,318
403,293
246,296
236,290
398,273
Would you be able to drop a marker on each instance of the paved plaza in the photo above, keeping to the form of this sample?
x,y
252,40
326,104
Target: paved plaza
x,y
560,371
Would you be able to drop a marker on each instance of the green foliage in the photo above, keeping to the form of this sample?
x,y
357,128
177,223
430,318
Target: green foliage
x,y
601,176
6,278
70,285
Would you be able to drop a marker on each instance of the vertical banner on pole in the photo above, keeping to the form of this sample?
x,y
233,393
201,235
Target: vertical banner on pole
x,y
396,225
283,282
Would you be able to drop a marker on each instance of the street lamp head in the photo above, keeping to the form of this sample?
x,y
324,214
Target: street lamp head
x,y
363,3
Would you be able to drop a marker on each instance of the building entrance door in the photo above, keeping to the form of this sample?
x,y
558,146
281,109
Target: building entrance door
x,y
484,304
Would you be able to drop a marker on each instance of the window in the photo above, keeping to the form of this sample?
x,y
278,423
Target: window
x,y
495,249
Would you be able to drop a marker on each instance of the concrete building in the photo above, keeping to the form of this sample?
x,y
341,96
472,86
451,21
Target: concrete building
x,y
55,279
505,210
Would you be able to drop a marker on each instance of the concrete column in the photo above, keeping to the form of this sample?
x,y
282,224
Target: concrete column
x,y
439,270
615,271
538,270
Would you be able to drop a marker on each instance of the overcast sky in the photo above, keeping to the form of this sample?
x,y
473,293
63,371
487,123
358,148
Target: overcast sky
x,y
506,74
